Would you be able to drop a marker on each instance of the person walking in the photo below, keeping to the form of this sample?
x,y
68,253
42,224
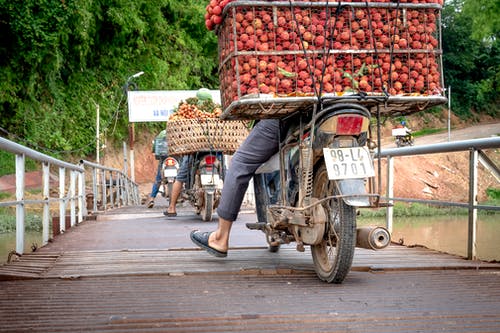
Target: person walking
x,y
161,153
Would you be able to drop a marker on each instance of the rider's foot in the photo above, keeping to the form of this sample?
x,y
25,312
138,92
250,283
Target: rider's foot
x,y
151,203
170,213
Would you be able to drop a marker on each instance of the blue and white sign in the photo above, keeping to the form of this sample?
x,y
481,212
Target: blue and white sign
x,y
158,105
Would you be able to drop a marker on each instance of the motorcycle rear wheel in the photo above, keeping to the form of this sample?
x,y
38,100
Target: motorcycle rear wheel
x,y
333,256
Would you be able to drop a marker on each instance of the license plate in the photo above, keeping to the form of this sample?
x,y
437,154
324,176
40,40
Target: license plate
x,y
344,163
210,180
170,173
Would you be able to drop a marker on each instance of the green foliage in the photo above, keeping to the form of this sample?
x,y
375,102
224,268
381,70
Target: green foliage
x,y
32,222
8,163
485,15
60,59
472,64
402,209
493,195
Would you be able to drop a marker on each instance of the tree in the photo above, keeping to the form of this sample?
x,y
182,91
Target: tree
x,y
60,59
471,65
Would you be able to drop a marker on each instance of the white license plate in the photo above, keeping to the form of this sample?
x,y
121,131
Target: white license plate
x,y
170,173
210,180
344,163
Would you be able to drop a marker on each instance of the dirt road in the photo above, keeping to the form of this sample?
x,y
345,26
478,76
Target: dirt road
x,y
468,133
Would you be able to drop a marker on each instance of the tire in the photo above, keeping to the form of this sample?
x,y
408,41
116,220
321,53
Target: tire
x,y
333,256
208,207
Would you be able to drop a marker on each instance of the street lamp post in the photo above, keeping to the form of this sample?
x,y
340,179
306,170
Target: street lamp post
x,y
130,85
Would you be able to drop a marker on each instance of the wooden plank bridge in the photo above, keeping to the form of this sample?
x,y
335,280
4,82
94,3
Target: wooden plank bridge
x,y
133,269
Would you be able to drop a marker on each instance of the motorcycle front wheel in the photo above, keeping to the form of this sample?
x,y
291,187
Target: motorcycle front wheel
x,y
333,256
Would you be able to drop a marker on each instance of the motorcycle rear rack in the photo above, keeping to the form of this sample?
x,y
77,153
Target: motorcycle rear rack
x,y
266,106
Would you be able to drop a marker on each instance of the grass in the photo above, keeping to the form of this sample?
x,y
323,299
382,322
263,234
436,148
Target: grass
x,y
403,209
8,164
32,222
428,131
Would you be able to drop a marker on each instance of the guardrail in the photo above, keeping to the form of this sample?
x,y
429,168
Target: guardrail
x,y
476,155
111,189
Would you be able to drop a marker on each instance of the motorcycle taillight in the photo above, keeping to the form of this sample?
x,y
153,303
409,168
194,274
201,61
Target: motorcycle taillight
x,y
210,159
345,124
170,162
349,124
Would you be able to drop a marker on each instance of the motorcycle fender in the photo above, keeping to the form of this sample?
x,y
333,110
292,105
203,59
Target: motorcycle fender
x,y
356,188
273,164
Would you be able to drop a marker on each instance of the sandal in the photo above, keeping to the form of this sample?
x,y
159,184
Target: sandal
x,y
166,213
201,239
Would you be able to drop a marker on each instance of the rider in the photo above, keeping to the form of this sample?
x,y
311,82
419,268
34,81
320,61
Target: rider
x,y
161,158
182,176
259,146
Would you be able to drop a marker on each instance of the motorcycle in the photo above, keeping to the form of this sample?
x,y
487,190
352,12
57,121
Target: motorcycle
x,y
402,137
309,191
169,170
204,183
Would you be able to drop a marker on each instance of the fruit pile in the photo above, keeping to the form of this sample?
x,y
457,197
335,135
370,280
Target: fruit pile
x,y
272,49
213,15
193,108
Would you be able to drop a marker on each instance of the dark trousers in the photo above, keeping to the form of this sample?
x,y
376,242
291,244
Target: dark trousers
x,y
259,146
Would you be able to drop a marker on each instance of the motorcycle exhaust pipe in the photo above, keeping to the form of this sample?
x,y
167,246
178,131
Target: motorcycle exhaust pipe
x,y
372,238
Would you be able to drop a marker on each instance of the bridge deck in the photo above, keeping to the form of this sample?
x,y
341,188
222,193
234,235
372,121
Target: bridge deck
x,y
135,270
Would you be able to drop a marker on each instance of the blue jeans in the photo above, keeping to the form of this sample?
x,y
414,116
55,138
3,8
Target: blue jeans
x,y
156,184
182,173
259,146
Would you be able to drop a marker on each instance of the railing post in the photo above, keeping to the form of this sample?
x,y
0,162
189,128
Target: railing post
x,y
111,190
62,201
104,198
390,193
20,209
472,227
94,188
119,190
127,191
72,193
46,204
82,203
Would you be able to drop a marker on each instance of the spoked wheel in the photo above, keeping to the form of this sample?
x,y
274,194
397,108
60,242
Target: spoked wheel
x,y
208,207
333,256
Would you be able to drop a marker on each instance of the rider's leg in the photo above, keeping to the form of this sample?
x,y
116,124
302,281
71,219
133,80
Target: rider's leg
x,y
182,176
176,191
260,145
156,185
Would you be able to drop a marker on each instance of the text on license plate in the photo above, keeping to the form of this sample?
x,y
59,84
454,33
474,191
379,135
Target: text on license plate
x,y
344,163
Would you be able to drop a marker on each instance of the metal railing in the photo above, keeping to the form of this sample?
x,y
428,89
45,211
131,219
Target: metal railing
x,y
476,155
117,187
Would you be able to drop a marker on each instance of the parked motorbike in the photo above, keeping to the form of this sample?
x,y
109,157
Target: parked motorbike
x,y
308,193
204,184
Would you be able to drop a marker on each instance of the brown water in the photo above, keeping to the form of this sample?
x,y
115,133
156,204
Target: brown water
x,y
446,233
8,243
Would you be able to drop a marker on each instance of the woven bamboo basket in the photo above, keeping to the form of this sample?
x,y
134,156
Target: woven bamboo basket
x,y
186,136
